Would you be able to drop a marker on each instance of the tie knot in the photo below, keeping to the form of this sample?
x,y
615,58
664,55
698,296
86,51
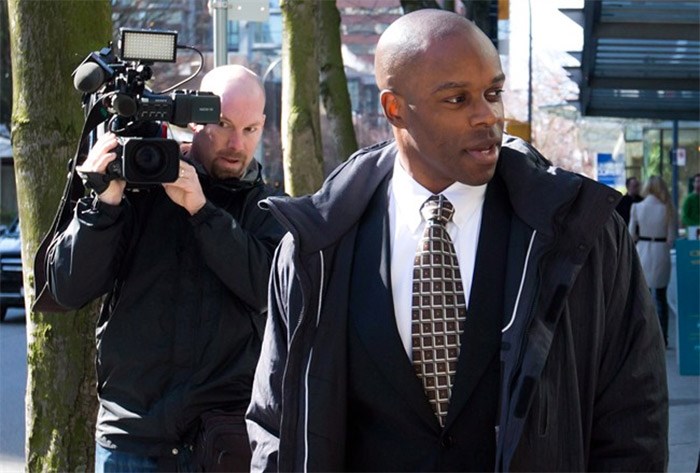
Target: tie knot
x,y
437,209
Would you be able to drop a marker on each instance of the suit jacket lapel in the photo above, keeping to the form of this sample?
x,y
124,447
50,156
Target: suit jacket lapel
x,y
481,338
372,309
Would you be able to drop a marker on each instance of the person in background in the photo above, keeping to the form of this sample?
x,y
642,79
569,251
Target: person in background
x,y
632,196
655,220
690,211
450,300
184,267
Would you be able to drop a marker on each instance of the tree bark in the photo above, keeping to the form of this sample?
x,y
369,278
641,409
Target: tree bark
x,y
5,68
409,6
478,12
340,136
48,41
301,131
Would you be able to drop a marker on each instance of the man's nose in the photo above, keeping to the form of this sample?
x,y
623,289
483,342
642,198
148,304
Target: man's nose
x,y
484,113
234,139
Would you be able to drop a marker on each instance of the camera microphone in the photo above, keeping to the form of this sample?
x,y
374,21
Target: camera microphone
x,y
88,77
124,105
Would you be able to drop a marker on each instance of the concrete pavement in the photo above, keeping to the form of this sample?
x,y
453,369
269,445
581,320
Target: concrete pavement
x,y
684,418
13,380
684,400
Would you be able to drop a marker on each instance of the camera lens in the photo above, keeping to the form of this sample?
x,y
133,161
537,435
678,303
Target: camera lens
x,y
149,160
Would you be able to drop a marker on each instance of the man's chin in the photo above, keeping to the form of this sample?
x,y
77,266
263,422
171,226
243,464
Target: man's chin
x,y
229,172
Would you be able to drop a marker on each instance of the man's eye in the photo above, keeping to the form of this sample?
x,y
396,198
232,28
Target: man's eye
x,y
223,124
495,93
251,129
457,99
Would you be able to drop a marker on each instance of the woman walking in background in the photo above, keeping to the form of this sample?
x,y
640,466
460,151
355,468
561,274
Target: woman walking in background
x,y
655,221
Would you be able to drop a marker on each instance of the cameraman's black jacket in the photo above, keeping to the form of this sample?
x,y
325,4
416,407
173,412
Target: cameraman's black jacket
x,y
181,325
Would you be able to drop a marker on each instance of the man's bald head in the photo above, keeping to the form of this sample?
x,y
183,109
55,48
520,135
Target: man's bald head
x,y
440,81
405,41
225,149
224,79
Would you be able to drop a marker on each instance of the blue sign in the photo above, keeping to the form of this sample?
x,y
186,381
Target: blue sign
x,y
610,171
688,280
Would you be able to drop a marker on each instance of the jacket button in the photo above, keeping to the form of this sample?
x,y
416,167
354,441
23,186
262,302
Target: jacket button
x,y
175,451
446,441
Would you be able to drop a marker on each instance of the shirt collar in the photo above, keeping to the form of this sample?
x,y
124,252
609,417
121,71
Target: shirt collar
x,y
409,195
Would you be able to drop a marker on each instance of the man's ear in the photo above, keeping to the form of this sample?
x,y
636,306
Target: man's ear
x,y
391,104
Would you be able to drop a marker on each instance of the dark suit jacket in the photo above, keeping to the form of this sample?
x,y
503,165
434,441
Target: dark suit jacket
x,y
391,425
624,206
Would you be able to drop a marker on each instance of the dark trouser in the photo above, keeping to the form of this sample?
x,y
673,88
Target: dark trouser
x,y
662,310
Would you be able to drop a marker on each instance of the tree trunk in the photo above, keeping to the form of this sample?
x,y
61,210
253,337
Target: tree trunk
x,y
301,131
5,68
340,136
48,41
478,12
409,6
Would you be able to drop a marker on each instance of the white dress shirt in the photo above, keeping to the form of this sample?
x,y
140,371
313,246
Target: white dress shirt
x,y
406,226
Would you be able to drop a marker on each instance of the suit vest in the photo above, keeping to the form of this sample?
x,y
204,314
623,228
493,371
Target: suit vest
x,y
391,425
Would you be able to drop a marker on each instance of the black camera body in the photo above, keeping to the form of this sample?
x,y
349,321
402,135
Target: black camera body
x,y
136,114
180,108
145,161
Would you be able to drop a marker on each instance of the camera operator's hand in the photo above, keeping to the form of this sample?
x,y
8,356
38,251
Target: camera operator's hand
x,y
186,191
97,160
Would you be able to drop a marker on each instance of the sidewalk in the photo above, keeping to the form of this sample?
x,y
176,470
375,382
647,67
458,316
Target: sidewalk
x,y
684,417
684,400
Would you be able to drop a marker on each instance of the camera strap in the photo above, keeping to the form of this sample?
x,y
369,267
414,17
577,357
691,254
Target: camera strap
x,y
72,192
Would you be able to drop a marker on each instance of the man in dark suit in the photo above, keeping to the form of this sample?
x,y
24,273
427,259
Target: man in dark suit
x,y
448,301
631,197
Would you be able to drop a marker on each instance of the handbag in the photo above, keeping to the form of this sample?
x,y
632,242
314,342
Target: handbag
x,y
222,442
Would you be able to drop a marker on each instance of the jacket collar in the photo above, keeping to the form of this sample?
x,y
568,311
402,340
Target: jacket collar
x,y
318,220
540,194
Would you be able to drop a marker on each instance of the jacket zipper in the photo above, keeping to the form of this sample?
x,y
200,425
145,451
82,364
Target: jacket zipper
x,y
308,368
522,282
294,396
286,223
519,359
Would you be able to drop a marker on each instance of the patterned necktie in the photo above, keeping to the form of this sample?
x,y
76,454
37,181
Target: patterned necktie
x,y
438,309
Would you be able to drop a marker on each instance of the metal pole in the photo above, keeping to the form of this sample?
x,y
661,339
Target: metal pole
x,y
674,163
269,69
219,9
529,71
260,152
661,152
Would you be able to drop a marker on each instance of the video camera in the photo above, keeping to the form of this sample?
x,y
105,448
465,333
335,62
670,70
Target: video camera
x,y
136,114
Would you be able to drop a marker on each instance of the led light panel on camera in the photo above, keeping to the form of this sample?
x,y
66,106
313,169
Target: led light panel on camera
x,y
148,45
